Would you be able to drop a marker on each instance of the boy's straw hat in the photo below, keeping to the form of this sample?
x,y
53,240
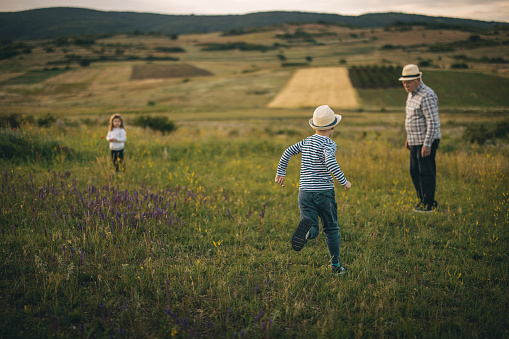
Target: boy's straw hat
x,y
410,72
324,118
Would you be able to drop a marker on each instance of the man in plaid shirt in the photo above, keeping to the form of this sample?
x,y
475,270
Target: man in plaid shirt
x,y
423,136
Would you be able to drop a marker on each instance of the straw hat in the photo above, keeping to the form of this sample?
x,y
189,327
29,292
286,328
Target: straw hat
x,y
410,72
324,118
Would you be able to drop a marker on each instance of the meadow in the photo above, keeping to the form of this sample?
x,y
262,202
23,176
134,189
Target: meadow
x,y
193,238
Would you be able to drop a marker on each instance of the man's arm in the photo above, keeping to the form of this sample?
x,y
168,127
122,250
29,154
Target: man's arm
x,y
430,111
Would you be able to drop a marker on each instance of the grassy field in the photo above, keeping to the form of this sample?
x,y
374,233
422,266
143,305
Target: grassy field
x,y
193,238
199,242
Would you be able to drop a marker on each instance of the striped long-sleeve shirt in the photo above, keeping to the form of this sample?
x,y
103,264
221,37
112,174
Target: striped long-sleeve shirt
x,y
318,162
422,123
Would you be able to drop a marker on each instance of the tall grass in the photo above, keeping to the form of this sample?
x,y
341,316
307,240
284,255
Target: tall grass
x,y
197,244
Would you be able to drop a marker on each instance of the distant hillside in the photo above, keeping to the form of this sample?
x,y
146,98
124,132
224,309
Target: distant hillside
x,y
49,23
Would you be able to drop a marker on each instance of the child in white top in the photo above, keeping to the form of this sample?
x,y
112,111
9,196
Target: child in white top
x,y
117,137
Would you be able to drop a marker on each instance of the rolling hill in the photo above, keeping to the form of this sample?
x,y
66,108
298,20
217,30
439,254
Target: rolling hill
x,y
47,23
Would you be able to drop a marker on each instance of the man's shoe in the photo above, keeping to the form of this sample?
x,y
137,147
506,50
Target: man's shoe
x,y
338,270
299,238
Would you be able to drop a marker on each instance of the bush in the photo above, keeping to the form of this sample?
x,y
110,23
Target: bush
x,y
15,145
14,121
484,133
46,121
459,66
161,124
170,49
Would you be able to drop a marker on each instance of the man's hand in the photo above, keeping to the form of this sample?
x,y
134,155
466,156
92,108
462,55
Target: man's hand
x,y
113,139
280,180
425,151
348,185
407,146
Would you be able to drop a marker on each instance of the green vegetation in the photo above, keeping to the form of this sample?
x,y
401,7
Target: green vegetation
x,y
170,49
86,61
57,22
303,35
491,132
160,123
454,89
24,148
192,239
474,41
9,49
241,46
375,77
198,244
34,77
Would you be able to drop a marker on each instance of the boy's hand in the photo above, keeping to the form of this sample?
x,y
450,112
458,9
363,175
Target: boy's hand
x,y
113,139
280,180
348,185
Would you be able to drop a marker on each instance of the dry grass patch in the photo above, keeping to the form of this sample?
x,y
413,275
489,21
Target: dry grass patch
x,y
114,75
82,75
317,86
7,76
143,72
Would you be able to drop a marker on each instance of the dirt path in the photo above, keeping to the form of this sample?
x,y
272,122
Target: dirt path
x,y
311,87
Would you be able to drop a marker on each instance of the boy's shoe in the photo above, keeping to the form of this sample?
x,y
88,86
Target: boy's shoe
x,y
425,208
299,238
338,270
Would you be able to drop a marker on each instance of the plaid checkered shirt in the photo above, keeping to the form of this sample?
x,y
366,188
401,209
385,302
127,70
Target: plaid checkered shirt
x,y
422,124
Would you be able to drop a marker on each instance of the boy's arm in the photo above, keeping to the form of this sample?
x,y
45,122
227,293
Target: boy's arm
x,y
285,159
333,167
280,180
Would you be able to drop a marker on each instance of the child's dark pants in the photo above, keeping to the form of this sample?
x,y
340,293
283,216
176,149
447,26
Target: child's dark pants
x,y
118,159
314,204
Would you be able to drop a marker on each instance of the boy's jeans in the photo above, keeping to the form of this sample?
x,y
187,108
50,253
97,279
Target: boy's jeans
x,y
314,204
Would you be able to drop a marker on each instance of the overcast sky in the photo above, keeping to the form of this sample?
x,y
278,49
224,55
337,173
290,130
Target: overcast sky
x,y
488,10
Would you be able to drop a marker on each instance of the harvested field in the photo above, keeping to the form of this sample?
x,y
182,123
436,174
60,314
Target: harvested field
x,y
82,75
143,72
114,75
317,86
7,76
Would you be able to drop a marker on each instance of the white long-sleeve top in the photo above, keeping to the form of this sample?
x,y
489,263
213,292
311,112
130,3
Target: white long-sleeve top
x,y
120,135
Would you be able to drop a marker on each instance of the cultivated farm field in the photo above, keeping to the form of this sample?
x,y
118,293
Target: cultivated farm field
x,y
192,239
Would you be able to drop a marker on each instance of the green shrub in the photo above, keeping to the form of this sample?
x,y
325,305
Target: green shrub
x,y
46,121
459,66
483,133
16,145
170,49
161,124
15,121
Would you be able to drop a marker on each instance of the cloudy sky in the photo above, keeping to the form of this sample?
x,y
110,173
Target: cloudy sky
x,y
488,10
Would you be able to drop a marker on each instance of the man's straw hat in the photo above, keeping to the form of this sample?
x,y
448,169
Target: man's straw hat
x,y
410,72
324,118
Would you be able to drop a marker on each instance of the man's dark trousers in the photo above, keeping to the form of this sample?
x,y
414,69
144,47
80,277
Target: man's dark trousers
x,y
424,173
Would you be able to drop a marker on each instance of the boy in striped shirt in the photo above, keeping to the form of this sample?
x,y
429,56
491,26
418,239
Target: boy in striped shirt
x,y
316,185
